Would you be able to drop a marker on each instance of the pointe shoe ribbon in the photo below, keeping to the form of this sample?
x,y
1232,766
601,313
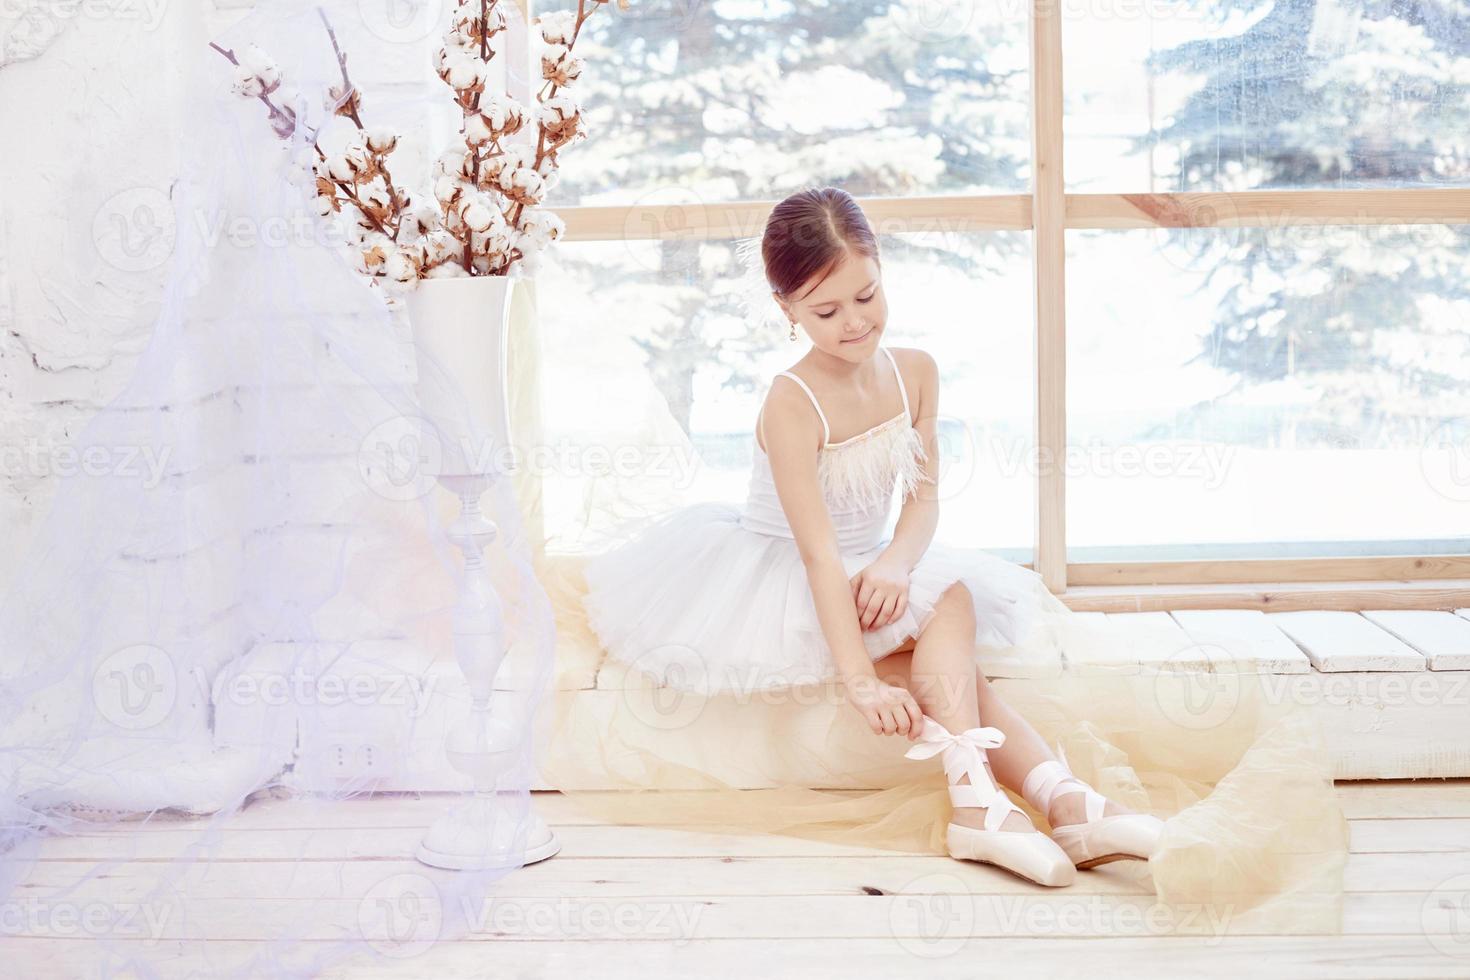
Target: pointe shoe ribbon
x,y
1097,839
962,757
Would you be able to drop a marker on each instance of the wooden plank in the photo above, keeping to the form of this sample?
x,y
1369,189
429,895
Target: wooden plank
x,y
676,214
1361,799
1127,642
1349,957
1244,638
1270,209
1245,570
1346,957
502,915
1049,253
1388,798
1443,638
1272,596
1410,836
1337,641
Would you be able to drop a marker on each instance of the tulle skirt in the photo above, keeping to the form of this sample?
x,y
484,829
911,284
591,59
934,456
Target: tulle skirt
x,y
700,603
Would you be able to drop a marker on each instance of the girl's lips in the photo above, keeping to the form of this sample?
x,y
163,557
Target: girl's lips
x,y
862,338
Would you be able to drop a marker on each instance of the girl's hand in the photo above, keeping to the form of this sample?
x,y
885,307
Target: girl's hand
x,y
888,710
881,592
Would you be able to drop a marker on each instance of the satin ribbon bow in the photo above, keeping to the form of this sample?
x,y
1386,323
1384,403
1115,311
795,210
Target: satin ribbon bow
x,y
935,738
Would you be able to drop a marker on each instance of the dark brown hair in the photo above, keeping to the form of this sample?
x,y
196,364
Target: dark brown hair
x,y
809,232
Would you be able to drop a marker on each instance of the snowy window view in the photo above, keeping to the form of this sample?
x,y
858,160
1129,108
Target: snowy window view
x,y
1259,392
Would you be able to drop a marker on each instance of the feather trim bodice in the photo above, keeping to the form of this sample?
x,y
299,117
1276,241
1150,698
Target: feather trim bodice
x,y
857,477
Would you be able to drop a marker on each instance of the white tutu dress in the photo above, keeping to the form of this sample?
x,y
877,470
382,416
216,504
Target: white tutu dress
x,y
712,597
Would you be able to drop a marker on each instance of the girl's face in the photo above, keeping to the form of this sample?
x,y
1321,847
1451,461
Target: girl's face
x,y
844,313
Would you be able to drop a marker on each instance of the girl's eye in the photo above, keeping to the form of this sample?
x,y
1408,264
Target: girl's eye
x,y
861,299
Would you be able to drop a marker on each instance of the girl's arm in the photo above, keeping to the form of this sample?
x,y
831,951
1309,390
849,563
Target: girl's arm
x,y
793,434
919,517
792,444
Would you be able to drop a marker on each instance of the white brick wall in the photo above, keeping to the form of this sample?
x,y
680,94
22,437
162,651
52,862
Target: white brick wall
x,y
89,125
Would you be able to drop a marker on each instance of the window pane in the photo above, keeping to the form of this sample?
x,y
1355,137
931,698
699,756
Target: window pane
x,y
1265,393
728,101
648,361
1210,95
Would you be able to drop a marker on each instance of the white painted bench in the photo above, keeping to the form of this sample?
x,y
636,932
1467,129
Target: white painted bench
x,y
1391,688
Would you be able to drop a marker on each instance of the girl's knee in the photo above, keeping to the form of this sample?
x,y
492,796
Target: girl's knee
x,y
957,600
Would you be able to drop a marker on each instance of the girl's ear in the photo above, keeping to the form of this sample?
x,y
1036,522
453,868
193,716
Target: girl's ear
x,y
781,303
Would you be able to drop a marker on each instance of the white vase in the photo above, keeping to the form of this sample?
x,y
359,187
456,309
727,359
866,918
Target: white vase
x,y
460,332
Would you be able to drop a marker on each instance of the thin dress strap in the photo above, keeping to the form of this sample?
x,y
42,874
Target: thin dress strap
x,y
901,389
826,430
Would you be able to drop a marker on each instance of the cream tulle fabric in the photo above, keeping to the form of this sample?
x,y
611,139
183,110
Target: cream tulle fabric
x,y
1254,838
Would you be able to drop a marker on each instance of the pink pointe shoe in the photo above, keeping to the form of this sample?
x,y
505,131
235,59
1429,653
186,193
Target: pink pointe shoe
x,y
1099,839
1028,853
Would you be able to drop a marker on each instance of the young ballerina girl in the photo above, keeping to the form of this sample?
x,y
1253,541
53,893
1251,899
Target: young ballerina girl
x,y
801,585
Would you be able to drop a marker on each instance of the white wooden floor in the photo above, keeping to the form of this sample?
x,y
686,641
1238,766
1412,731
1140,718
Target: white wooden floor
x,y
652,902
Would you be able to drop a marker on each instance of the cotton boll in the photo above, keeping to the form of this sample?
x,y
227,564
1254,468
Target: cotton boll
x,y
475,215
342,168
400,267
439,246
447,190
448,270
382,139
428,217
248,84
465,74
452,163
557,27
477,130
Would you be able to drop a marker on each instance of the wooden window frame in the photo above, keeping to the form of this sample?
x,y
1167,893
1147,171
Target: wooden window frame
x,y
1048,212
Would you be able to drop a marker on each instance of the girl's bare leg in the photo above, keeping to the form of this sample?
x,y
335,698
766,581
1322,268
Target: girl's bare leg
x,y
1024,747
944,654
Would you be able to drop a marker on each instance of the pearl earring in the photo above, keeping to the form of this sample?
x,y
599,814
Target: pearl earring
x,y
793,329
